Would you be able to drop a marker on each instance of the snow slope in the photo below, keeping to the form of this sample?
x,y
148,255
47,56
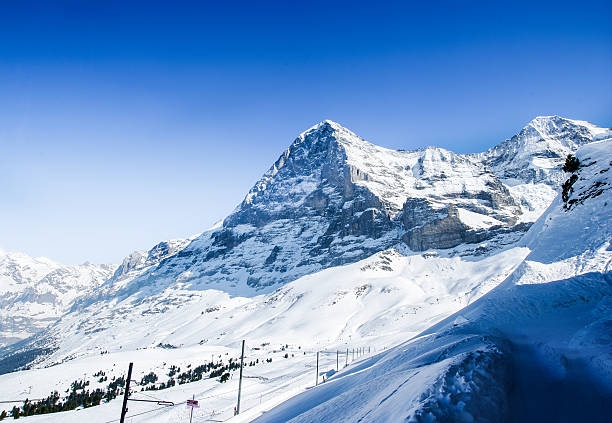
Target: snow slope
x,y
376,302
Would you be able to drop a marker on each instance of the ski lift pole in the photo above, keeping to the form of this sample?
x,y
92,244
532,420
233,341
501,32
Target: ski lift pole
x,y
191,412
126,394
317,382
240,381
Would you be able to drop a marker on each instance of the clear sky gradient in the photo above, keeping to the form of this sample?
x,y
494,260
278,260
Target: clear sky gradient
x,y
126,123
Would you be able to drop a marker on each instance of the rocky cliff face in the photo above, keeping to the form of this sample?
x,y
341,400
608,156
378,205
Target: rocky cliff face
x,y
333,198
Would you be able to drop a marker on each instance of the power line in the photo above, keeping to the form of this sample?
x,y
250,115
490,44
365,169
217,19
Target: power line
x,y
23,400
146,412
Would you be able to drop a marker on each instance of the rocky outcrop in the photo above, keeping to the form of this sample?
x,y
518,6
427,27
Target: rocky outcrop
x,y
429,228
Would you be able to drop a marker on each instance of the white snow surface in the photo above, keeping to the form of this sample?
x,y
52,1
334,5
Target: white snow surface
x,y
375,303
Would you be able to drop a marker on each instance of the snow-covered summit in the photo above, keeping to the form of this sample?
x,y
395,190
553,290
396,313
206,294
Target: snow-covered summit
x,y
536,153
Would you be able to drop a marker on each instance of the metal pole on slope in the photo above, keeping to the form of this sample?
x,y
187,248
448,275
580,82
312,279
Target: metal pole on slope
x,y
126,393
337,360
346,364
317,382
191,412
240,382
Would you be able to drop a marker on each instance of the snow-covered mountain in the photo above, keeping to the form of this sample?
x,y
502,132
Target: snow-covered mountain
x,y
35,292
333,198
538,347
344,243
536,153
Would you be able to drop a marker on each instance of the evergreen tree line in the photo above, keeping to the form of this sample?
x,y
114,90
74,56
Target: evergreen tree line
x,y
78,397
87,398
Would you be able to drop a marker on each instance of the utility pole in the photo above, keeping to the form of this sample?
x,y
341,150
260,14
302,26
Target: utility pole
x,y
346,358
191,412
317,382
353,359
126,394
240,382
337,360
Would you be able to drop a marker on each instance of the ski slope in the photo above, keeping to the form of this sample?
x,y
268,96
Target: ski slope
x,y
374,303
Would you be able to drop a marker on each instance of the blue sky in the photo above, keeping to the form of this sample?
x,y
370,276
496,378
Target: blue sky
x,y
126,123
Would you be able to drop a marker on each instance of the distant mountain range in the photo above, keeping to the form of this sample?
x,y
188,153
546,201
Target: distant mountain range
x,y
35,292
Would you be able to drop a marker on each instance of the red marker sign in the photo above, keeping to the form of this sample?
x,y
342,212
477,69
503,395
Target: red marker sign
x,y
193,404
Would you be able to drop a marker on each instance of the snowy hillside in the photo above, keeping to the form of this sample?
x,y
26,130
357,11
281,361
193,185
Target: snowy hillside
x,y
358,301
35,292
538,346
376,302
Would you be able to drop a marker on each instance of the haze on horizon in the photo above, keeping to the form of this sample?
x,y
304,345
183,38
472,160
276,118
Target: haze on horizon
x,y
122,125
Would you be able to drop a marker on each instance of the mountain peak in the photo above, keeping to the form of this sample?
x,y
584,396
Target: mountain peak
x,y
324,124
559,126
538,151
322,130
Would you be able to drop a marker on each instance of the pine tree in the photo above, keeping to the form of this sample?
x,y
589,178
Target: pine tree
x,y
571,164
